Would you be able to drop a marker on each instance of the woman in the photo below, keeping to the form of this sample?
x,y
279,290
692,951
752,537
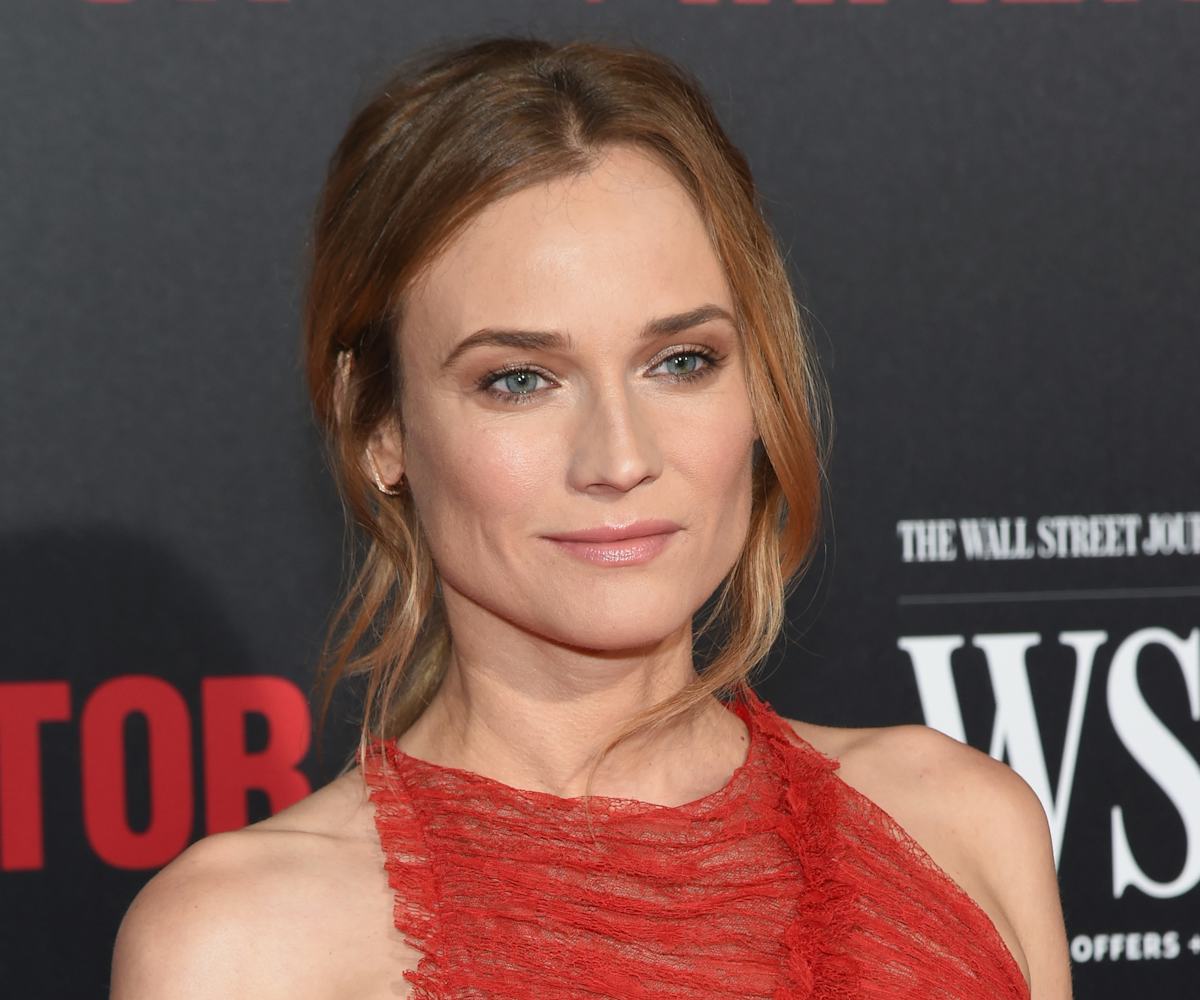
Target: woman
x,y
570,398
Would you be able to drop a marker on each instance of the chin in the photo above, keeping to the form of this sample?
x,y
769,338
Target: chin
x,y
635,619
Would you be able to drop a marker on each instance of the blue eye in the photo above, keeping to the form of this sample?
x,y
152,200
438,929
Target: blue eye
x,y
519,382
690,355
518,379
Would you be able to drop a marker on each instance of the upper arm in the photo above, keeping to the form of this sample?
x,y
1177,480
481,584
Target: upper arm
x,y
979,820
196,930
1002,835
1016,856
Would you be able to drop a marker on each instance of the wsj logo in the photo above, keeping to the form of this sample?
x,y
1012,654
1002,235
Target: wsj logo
x,y
1017,738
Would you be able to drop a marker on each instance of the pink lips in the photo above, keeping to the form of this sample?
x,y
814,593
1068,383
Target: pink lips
x,y
612,545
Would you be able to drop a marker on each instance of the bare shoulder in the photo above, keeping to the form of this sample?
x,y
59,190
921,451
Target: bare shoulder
x,y
977,819
282,908
193,929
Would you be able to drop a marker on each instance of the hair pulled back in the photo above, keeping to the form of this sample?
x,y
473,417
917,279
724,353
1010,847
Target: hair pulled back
x,y
454,129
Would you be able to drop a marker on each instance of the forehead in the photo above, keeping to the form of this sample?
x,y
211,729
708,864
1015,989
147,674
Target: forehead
x,y
601,250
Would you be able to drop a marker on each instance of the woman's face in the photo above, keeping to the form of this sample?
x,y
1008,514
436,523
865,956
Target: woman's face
x,y
587,423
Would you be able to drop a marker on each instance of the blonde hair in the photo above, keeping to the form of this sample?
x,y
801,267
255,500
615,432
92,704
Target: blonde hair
x,y
454,129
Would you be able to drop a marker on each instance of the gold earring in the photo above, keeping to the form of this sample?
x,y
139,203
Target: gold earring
x,y
379,485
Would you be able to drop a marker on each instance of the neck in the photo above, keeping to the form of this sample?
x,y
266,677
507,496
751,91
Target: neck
x,y
538,720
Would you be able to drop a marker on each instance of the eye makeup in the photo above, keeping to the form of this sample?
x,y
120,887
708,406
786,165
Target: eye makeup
x,y
487,383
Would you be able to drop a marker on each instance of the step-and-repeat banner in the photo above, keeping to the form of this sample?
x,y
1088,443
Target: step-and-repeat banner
x,y
992,214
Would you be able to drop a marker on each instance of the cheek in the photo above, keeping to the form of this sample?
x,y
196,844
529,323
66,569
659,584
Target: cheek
x,y
715,470
491,470
716,460
472,483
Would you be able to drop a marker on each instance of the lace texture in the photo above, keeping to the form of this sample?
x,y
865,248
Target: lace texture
x,y
784,884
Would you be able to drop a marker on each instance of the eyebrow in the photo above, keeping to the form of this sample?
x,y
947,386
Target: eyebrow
x,y
532,340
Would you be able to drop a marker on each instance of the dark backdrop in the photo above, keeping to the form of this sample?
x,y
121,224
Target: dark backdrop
x,y
991,212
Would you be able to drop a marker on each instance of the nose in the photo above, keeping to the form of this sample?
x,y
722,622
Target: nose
x,y
616,442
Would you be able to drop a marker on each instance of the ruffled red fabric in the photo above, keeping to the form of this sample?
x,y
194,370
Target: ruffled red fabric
x,y
784,884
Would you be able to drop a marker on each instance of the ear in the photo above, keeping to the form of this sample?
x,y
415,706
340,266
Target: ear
x,y
385,452
383,455
341,384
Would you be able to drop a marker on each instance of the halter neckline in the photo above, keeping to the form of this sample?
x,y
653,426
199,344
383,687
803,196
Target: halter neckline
x,y
496,789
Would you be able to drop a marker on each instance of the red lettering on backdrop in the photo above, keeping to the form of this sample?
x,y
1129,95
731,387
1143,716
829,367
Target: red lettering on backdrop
x,y
229,770
24,706
102,740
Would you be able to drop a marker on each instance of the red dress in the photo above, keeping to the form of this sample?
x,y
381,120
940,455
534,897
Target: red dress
x,y
785,883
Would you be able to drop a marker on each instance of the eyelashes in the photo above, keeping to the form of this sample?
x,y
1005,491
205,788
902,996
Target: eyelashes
x,y
711,363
